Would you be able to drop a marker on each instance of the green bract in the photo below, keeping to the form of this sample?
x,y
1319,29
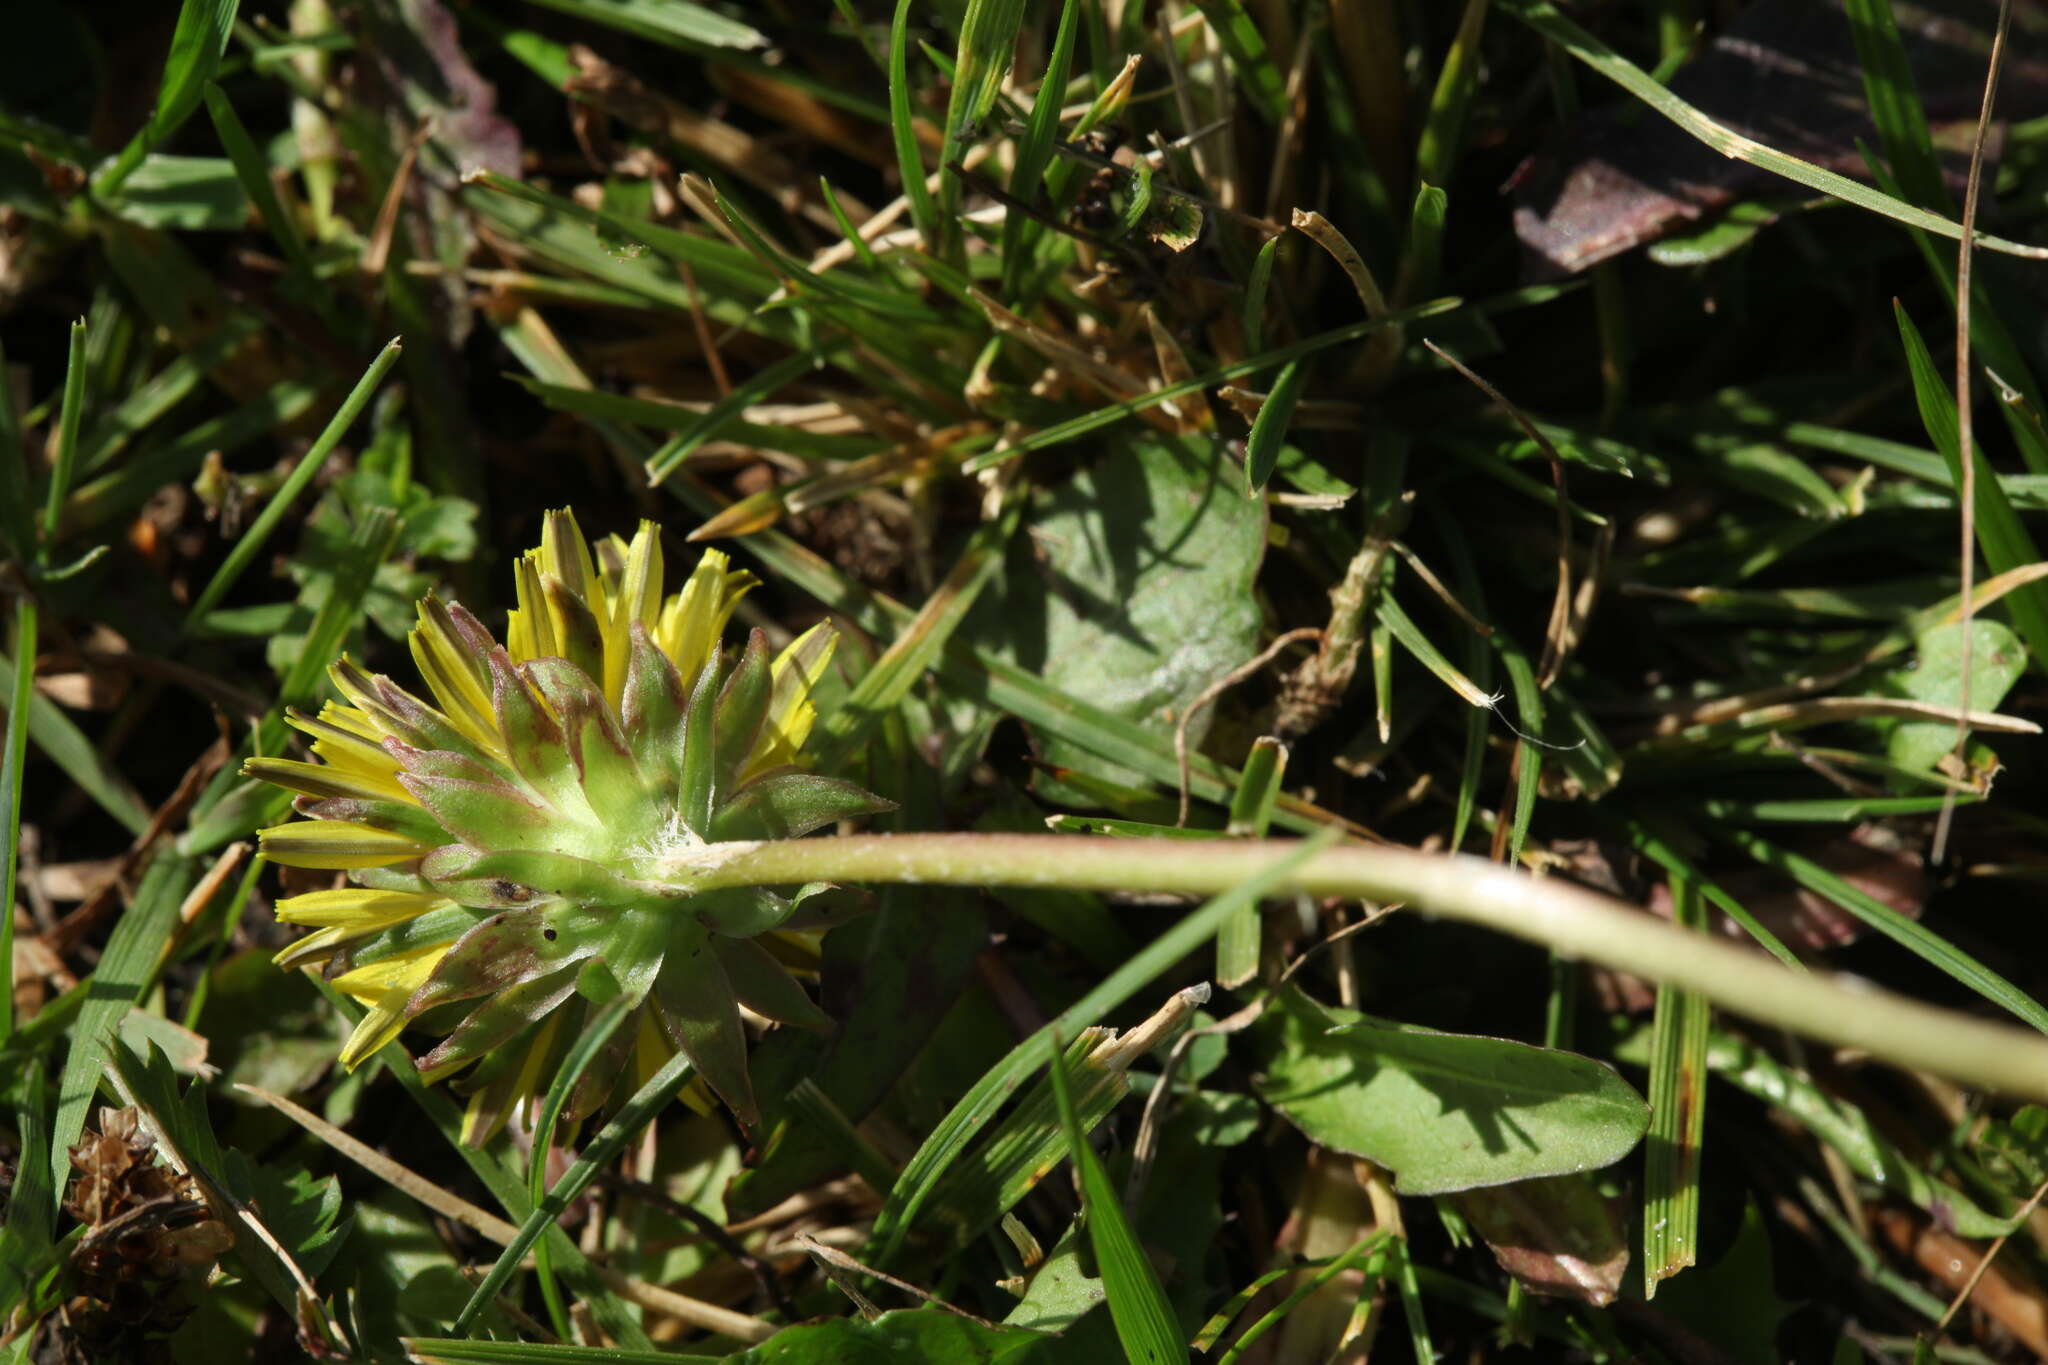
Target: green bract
x,y
516,844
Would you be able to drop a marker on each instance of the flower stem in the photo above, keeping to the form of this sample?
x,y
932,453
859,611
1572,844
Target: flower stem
x,y
1569,919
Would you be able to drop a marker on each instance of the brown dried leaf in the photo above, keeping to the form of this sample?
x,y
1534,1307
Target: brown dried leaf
x,y
1558,1236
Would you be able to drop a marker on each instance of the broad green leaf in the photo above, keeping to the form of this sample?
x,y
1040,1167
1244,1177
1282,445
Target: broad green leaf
x,y
1131,590
1061,1289
1997,658
1443,1111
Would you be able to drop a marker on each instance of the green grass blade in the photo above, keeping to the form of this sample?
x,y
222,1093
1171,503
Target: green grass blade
x,y
253,171
924,214
25,1238
1145,1323
133,954
988,40
948,1139
13,766
1025,1147
253,540
1269,428
196,46
649,1100
1548,20
1830,810
596,1033
1034,151
1256,287
68,418
684,443
1264,84
1443,126
1678,1113
2000,533
672,23
1366,1249
1894,102
1251,814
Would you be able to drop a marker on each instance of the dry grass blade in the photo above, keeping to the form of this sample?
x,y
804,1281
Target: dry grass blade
x,y
1556,634
1966,436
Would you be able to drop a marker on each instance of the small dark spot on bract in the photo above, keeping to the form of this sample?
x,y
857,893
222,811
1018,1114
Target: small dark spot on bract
x,y
548,934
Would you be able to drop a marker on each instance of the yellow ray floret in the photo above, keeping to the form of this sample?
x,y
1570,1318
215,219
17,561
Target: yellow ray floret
x,y
385,986
491,1106
345,738
333,844
326,779
358,908
455,675
790,710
